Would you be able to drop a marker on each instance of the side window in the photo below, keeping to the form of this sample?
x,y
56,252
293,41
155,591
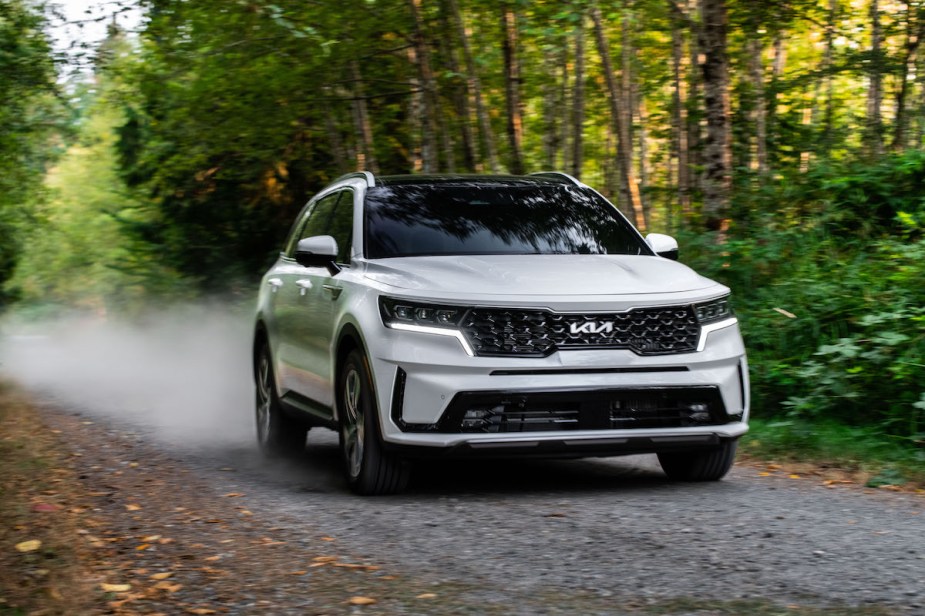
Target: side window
x,y
332,215
320,218
341,227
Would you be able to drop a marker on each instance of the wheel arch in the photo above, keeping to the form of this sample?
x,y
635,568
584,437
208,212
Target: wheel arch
x,y
349,339
261,337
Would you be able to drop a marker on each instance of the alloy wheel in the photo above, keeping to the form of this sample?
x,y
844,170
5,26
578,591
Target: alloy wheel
x,y
353,423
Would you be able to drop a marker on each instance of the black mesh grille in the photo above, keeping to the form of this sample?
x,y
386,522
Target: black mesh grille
x,y
645,331
618,409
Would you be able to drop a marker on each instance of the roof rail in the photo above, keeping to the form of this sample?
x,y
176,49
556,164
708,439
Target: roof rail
x,y
559,175
366,175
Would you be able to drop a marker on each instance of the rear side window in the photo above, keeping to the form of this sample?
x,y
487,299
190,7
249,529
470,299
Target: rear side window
x,y
483,219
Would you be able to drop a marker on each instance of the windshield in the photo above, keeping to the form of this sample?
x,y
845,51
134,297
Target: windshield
x,y
494,219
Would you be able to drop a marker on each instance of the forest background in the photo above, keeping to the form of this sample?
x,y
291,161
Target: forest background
x,y
781,142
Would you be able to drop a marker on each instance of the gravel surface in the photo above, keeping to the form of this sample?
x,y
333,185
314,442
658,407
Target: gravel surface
x,y
532,533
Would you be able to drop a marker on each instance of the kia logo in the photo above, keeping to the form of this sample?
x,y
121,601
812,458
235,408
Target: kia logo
x,y
590,327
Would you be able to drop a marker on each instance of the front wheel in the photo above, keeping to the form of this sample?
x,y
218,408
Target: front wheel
x,y
711,465
277,434
368,468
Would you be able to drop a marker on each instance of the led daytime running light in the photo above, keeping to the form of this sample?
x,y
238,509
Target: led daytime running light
x,y
714,310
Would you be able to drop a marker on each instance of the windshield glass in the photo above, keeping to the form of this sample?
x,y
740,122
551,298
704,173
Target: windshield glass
x,y
493,219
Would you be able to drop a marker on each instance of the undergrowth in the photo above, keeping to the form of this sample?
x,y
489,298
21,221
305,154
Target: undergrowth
x,y
827,270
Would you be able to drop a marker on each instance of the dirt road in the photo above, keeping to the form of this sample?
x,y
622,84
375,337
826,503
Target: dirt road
x,y
589,536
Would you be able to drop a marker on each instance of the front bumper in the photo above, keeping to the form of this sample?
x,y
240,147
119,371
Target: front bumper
x,y
434,370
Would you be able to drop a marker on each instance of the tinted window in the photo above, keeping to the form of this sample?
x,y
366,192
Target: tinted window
x,y
331,215
457,219
341,227
320,219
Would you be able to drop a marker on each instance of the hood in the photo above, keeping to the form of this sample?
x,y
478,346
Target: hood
x,y
537,275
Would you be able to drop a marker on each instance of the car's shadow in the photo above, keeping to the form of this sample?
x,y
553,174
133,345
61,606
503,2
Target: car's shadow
x,y
318,470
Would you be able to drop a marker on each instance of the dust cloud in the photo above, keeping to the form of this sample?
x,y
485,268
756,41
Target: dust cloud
x,y
181,372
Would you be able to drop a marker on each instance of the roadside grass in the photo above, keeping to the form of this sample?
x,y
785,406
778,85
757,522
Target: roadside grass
x,y
873,458
40,577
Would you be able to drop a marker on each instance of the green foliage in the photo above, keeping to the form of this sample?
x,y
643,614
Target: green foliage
x,y
828,275
860,448
27,115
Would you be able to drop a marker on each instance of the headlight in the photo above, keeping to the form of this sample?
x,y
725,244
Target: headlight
x,y
399,311
424,318
713,310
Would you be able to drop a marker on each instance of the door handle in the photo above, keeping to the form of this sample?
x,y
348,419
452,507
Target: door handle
x,y
333,290
275,283
304,285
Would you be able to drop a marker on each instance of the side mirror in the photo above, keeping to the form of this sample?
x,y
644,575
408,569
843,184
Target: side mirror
x,y
317,251
663,245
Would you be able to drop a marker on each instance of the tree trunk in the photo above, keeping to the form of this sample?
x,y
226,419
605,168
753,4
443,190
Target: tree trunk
x,y
694,103
366,156
629,105
460,96
777,70
429,159
717,181
624,149
553,111
679,127
338,151
578,102
874,127
828,120
758,115
512,90
915,29
475,90
416,126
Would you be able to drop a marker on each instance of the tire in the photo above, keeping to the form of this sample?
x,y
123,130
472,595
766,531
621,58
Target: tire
x,y
277,434
711,465
369,470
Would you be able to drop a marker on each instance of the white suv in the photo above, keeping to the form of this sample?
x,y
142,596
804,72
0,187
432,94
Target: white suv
x,y
492,316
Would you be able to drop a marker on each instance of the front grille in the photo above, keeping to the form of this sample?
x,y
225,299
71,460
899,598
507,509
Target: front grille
x,y
537,333
612,409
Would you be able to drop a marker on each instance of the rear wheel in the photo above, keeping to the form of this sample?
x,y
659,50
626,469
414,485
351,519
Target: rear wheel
x,y
368,468
277,434
710,465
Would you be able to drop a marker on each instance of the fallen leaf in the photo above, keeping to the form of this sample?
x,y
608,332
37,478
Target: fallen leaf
x,y
212,559
786,313
352,566
427,595
325,559
764,474
44,507
794,476
29,546
150,538
300,572
361,601
143,546
133,507
328,539
168,586
200,611
162,576
116,587
233,495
